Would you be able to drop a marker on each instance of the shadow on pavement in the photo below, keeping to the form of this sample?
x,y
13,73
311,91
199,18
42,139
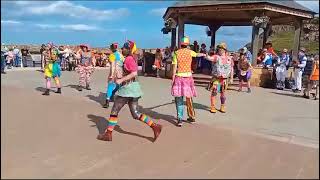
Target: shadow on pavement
x,y
42,89
195,105
72,86
157,115
99,99
101,124
291,95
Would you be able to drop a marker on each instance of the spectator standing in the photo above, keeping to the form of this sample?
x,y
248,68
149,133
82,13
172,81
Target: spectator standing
x,y
195,48
313,79
158,61
10,58
204,64
247,54
24,53
17,56
281,69
2,61
299,66
61,60
43,62
244,67
270,51
267,61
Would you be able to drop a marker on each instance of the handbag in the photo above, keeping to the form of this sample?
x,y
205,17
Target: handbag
x,y
289,82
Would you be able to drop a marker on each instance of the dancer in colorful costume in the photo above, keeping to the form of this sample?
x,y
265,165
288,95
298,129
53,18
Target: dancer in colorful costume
x,y
182,81
221,69
281,70
116,64
244,68
52,69
85,67
129,93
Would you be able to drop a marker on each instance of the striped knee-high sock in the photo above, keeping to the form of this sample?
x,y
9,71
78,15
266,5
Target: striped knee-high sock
x,y
112,122
144,118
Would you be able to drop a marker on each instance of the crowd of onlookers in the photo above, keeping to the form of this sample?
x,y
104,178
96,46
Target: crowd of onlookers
x,y
15,57
303,66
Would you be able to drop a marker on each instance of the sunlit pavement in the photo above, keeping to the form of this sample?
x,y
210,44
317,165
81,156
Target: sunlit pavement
x,y
265,134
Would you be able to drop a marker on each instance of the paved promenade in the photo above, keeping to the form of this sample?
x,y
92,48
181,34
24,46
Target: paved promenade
x,y
265,134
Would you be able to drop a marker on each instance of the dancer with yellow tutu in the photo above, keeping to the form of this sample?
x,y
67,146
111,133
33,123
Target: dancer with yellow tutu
x,y
52,69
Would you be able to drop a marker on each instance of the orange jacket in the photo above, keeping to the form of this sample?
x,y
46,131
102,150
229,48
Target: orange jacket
x,y
315,72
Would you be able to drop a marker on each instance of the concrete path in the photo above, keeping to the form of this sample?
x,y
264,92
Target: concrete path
x,y
54,137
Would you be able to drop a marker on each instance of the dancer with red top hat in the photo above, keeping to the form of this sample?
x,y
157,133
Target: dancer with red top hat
x,y
182,81
129,93
116,64
85,66
221,69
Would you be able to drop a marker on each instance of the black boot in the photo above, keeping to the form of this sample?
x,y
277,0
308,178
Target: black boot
x,y
46,93
58,91
88,87
282,85
106,105
278,85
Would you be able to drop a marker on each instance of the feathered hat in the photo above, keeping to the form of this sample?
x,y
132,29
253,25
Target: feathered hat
x,y
114,46
131,46
185,41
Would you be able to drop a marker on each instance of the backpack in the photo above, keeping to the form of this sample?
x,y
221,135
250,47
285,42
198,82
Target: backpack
x,y
308,69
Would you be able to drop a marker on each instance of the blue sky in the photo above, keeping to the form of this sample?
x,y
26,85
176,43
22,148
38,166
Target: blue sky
x,y
99,23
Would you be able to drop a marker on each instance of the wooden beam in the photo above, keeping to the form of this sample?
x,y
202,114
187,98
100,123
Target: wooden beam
x,y
226,22
217,8
240,7
255,44
204,23
173,38
214,29
180,28
266,34
288,11
282,20
296,42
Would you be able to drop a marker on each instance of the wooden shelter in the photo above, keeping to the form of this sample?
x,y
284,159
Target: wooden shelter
x,y
215,14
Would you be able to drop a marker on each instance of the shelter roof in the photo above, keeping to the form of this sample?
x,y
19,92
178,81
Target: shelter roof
x,y
237,12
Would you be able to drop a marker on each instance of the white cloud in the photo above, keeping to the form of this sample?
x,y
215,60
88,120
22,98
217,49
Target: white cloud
x,y
79,27
70,9
158,11
71,27
45,26
312,5
10,22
